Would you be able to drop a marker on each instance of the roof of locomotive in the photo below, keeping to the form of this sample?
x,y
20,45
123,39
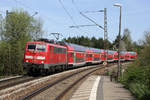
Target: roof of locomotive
x,y
51,44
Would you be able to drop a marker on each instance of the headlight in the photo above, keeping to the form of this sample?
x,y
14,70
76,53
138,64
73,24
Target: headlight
x,y
40,58
29,57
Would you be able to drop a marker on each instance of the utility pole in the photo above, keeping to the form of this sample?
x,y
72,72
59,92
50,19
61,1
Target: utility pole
x,y
9,58
104,28
1,27
119,34
105,34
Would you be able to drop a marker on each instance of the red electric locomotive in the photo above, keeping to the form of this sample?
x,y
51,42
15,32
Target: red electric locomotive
x,y
43,57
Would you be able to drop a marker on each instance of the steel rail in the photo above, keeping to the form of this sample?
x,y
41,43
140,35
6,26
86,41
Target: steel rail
x,y
15,81
38,91
11,78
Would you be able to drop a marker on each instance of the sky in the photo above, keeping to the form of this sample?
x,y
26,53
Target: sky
x,y
135,16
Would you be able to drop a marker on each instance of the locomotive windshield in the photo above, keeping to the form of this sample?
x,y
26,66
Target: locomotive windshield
x,y
36,47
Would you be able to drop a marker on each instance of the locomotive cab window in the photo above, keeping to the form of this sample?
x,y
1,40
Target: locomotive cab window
x,y
31,47
36,47
40,47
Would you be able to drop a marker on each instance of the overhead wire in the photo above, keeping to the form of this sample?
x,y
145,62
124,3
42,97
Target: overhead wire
x,y
80,12
73,2
65,9
70,16
67,12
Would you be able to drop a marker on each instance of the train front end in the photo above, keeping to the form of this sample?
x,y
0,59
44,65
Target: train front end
x,y
35,56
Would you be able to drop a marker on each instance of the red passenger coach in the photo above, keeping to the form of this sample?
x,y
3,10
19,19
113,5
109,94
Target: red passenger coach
x,y
103,54
115,56
70,55
41,56
110,56
127,56
79,54
122,56
89,56
96,55
133,55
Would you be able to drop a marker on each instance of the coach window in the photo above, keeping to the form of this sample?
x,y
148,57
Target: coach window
x,y
60,50
71,54
63,50
86,55
49,48
54,49
57,50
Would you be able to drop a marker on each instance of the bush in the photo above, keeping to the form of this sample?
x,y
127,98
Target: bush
x,y
137,80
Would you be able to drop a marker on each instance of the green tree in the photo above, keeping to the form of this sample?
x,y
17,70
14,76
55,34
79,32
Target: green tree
x,y
1,27
36,28
19,28
137,75
127,39
145,57
89,42
115,43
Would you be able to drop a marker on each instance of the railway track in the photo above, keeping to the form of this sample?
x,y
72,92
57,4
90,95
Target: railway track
x,y
19,91
50,91
14,81
50,87
9,78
